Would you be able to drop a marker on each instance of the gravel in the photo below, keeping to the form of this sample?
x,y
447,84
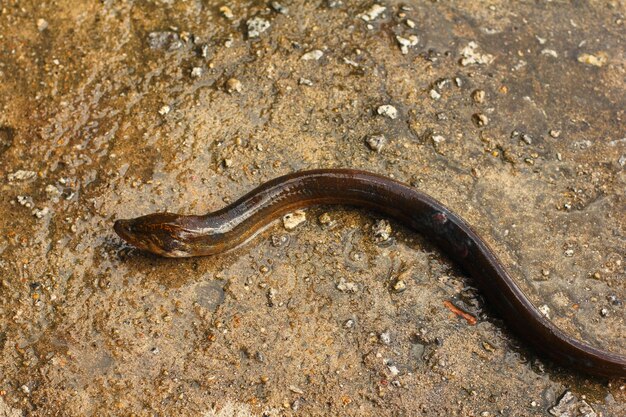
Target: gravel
x,y
569,406
470,56
479,96
382,230
21,175
256,26
347,286
233,85
164,40
373,12
293,220
376,142
406,43
313,55
279,8
388,110
598,60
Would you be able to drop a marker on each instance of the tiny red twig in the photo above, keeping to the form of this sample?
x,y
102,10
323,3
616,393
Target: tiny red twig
x,y
471,320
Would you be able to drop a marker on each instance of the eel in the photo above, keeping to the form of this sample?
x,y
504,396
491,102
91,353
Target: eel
x,y
173,235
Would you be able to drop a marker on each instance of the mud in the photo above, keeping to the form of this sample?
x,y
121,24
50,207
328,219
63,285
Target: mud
x,y
512,114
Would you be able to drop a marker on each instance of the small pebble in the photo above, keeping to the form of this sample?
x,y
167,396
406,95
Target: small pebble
x,y
471,56
597,60
305,81
434,94
233,85
569,406
388,110
385,337
292,220
295,389
480,119
25,201
382,230
164,110
613,300
256,26
295,405
279,240
372,13
376,142
555,133
604,312
313,55
399,286
21,175
346,286
550,52
41,213
53,192
325,219
227,12
393,369
279,8
479,96
437,139
488,347
349,324
165,40
196,72
406,43
42,25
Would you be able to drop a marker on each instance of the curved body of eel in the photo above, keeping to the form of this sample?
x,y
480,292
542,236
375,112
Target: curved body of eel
x,y
173,235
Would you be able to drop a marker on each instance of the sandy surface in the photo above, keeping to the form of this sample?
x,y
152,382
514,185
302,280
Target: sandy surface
x,y
512,114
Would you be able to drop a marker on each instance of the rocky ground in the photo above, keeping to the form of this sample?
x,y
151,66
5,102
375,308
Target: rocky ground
x,y
511,113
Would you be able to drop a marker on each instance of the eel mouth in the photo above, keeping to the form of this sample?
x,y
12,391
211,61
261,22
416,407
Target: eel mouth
x,y
123,229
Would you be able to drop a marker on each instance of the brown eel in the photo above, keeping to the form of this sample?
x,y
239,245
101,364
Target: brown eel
x,y
174,235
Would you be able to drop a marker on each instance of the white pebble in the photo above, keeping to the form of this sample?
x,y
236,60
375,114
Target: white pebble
x,y
256,26
388,110
345,286
372,13
292,220
385,337
313,55
21,175
434,94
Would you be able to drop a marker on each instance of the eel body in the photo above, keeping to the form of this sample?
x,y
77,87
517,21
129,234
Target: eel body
x,y
173,235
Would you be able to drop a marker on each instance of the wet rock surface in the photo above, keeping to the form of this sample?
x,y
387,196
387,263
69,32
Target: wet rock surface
x,y
512,114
